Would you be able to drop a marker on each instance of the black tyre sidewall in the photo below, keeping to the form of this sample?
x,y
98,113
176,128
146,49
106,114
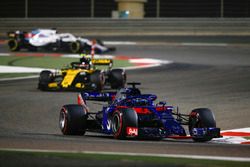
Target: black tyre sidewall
x,y
44,79
118,132
75,119
201,118
76,47
117,78
128,118
98,79
14,45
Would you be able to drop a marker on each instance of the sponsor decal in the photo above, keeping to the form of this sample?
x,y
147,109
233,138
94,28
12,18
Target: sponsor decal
x,y
132,131
101,61
108,124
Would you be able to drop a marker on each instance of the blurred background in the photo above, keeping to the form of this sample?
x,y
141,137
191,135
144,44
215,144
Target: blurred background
x,y
124,8
128,17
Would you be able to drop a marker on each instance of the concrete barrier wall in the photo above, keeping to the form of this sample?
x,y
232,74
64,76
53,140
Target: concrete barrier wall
x,y
174,26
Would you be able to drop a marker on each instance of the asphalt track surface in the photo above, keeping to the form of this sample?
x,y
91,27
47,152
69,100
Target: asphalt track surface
x,y
216,77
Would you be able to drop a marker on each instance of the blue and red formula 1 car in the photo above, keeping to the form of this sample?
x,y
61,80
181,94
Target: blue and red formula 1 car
x,y
130,114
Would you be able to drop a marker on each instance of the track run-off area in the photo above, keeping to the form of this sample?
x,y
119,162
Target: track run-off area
x,y
197,74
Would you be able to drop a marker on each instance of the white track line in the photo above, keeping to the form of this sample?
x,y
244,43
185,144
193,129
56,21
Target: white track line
x,y
139,64
203,44
246,130
19,69
96,56
119,43
19,78
5,54
223,158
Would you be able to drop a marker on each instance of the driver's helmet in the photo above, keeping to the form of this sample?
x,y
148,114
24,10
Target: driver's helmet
x,y
84,59
83,54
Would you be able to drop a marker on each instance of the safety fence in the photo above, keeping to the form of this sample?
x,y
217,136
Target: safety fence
x,y
197,8
160,26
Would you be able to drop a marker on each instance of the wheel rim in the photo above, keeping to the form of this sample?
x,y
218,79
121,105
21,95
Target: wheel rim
x,y
62,120
75,47
102,79
13,44
116,123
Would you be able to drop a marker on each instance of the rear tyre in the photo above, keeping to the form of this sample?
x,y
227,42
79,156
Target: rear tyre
x,y
111,49
98,41
201,118
117,78
97,80
72,119
45,78
76,47
121,120
14,45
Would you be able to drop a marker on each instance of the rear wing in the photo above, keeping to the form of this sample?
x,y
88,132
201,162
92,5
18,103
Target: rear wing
x,y
11,34
108,62
96,96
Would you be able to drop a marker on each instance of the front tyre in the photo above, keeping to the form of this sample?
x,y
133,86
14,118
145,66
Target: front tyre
x,y
124,123
45,78
117,78
14,45
97,80
76,47
72,119
201,118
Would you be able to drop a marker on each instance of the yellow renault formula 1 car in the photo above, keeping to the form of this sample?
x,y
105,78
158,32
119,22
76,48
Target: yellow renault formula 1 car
x,y
83,76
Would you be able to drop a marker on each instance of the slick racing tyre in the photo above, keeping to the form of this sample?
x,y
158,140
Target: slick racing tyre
x,y
97,80
201,118
72,119
76,47
98,41
14,45
122,120
45,78
79,47
117,78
